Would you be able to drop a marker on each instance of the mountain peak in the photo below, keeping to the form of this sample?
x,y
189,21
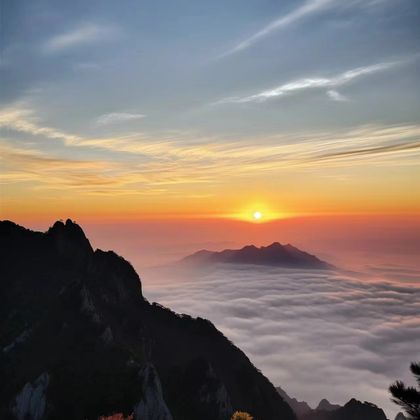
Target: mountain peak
x,y
325,405
274,254
69,239
80,331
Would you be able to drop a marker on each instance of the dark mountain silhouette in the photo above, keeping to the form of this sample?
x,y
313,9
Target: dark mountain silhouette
x,y
325,405
353,410
79,340
272,255
299,407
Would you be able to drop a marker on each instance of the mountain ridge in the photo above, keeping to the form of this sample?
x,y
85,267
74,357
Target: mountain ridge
x,y
75,326
274,254
352,410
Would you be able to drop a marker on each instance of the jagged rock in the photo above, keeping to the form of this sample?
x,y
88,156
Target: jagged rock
x,y
213,393
152,405
30,403
72,299
21,338
107,336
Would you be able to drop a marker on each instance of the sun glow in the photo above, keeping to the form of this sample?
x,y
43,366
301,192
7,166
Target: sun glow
x,y
257,215
258,212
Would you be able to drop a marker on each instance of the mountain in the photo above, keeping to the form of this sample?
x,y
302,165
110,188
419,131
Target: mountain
x,y
272,255
353,410
78,340
325,405
299,407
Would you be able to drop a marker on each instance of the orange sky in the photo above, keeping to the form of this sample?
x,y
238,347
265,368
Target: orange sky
x,y
349,241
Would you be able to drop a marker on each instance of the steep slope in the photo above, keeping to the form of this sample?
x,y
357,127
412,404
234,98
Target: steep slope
x,y
272,255
79,340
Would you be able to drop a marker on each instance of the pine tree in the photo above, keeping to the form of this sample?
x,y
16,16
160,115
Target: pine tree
x,y
408,397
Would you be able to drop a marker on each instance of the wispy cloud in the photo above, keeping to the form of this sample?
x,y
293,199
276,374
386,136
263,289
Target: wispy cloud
x,y
305,10
118,117
311,83
308,8
151,162
87,33
336,96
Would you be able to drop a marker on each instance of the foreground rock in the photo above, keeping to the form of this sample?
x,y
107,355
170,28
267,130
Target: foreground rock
x,y
78,340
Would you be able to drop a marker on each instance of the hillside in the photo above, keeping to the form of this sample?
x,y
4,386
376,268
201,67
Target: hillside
x,y
79,340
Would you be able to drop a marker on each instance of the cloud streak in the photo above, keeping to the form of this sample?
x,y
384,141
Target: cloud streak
x,y
149,162
117,118
308,8
85,34
313,83
182,158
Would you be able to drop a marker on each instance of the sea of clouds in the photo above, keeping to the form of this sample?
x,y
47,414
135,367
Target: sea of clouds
x,y
317,334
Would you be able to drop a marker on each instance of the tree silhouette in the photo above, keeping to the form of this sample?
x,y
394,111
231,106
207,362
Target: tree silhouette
x,y
408,397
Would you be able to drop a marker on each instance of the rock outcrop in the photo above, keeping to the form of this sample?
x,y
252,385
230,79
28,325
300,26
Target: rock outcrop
x,y
79,341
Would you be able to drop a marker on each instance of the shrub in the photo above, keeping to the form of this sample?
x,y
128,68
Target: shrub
x,y
241,415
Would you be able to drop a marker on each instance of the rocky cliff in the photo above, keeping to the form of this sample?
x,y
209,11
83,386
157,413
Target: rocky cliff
x,y
79,340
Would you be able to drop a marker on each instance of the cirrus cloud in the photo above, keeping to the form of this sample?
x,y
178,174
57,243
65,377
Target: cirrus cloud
x,y
86,33
118,117
313,83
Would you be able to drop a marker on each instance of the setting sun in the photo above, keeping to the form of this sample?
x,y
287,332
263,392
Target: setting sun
x,y
257,215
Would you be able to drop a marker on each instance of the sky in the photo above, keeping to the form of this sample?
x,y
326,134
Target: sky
x,y
163,126
180,109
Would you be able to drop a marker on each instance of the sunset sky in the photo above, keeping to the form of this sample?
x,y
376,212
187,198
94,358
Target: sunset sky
x,y
200,110
167,127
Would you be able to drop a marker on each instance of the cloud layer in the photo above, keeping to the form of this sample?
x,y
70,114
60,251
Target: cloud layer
x,y
146,163
318,335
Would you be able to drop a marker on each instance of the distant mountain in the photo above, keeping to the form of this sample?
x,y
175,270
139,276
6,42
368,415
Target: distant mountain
x,y
325,405
79,340
353,410
299,407
272,255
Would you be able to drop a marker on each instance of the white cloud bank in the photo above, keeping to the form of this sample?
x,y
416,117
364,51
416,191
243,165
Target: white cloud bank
x,y
317,334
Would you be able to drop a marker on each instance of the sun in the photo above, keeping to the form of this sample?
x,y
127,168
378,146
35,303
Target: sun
x,y
257,215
